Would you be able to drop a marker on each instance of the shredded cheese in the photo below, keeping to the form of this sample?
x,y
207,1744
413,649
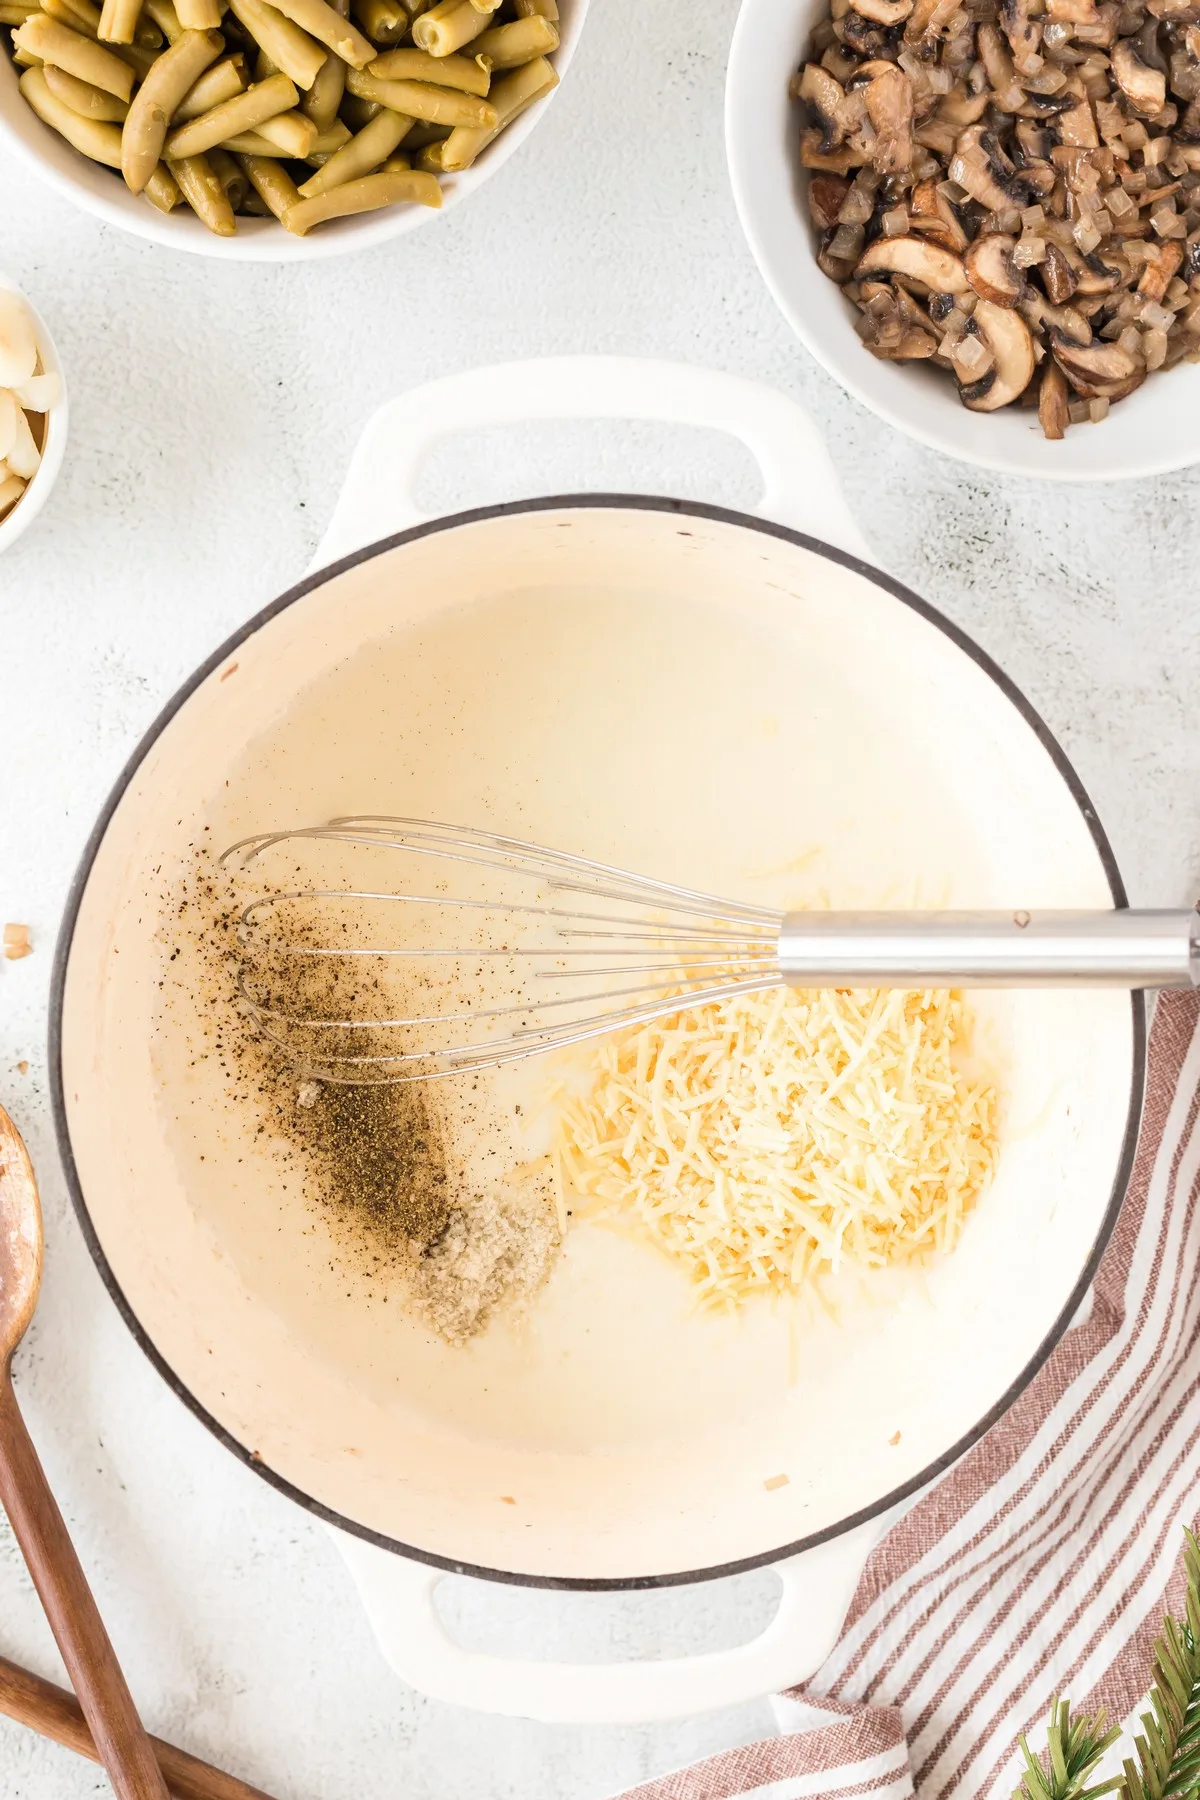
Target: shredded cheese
x,y
765,1140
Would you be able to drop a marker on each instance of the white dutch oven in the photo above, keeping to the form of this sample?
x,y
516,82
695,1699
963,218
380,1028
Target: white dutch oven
x,y
623,1443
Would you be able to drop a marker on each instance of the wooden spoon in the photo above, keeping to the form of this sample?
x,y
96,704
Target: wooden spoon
x,y
120,1737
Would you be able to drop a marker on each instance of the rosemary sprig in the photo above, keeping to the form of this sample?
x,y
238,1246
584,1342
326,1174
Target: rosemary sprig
x,y
1166,1765
1073,1748
1168,1746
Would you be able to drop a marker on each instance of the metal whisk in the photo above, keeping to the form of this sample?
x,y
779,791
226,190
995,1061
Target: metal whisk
x,y
525,970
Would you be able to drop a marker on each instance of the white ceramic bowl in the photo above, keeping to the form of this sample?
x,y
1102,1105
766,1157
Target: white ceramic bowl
x,y
1156,429
20,517
101,191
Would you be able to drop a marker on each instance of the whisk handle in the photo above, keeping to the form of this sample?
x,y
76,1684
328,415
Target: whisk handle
x,y
1120,949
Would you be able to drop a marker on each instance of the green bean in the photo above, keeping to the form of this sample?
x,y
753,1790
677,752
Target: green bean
x,y
508,46
51,42
119,20
360,156
261,101
510,97
250,143
365,195
325,95
289,48
448,26
92,137
292,133
82,17
272,184
140,60
88,101
199,15
169,80
395,164
329,28
357,112
421,100
166,18
231,177
162,190
15,12
432,157
204,194
221,82
536,9
422,134
328,142
461,72
255,207
383,21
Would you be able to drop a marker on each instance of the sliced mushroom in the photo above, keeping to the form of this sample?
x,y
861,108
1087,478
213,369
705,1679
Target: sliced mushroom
x,y
1115,390
890,110
990,271
1144,88
976,168
830,162
1067,324
823,96
1008,338
1158,274
996,58
1058,278
883,12
937,271
1021,33
1053,405
960,108
1034,141
1047,106
1087,366
1094,276
825,196
1150,49
1187,131
934,217
861,35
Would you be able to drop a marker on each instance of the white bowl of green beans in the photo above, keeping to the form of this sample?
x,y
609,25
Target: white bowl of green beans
x,y
276,132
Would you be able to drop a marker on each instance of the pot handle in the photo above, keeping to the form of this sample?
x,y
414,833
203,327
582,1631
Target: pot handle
x,y
800,486
398,1595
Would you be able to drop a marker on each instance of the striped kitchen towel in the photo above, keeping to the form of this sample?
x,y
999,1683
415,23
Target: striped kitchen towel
x,y
1043,1562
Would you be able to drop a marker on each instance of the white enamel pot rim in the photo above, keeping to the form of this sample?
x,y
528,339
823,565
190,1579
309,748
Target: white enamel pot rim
x,y
787,447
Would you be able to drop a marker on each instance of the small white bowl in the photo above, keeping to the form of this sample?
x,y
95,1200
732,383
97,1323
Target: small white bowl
x,y
102,192
1155,430
21,516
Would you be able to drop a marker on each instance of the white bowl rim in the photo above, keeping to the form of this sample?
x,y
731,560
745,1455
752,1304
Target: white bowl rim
x,y
749,147
99,191
22,515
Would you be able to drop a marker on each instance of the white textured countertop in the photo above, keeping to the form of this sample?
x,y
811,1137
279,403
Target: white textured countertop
x,y
214,410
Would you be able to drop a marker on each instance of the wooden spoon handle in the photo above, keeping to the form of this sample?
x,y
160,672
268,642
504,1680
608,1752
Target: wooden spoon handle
x,y
56,1714
38,1527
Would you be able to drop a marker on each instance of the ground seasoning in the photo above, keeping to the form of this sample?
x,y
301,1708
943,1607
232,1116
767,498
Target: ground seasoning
x,y
379,1160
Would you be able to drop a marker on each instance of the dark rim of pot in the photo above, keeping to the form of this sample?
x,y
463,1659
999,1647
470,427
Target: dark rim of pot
x,y
682,510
